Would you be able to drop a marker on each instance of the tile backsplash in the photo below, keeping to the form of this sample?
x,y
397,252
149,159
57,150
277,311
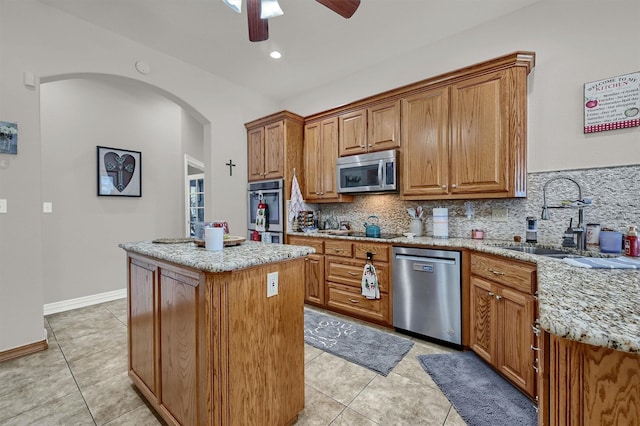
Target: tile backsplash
x,y
615,192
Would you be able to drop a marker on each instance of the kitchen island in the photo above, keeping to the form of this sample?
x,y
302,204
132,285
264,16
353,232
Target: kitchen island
x,y
207,346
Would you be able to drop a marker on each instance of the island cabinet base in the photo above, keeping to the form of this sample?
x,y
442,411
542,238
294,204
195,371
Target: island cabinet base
x,y
592,385
211,348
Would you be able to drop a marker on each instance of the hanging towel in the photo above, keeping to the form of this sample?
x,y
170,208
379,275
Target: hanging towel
x,y
296,204
261,214
370,288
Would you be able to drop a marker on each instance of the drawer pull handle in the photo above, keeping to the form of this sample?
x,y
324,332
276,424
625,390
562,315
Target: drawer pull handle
x,y
338,249
536,369
498,297
533,348
353,300
493,271
353,273
535,329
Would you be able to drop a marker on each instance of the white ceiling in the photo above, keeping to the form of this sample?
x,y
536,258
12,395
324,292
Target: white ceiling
x,y
318,46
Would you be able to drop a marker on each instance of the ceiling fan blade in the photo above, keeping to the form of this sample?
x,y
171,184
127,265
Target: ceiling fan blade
x,y
258,28
344,8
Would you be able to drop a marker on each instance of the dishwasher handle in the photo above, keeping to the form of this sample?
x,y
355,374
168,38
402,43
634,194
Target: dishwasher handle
x,y
426,259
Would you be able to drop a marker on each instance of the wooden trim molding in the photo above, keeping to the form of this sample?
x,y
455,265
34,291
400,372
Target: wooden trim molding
x,y
20,351
524,59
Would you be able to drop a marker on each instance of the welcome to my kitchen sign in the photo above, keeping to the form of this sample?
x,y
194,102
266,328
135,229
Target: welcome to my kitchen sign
x,y
612,103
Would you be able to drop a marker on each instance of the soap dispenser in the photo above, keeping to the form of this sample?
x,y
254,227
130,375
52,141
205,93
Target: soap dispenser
x,y
532,230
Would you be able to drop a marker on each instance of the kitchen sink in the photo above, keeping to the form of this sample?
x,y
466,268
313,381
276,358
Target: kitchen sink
x,y
541,251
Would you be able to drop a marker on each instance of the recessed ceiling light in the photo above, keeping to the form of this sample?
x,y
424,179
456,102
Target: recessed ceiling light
x,y
275,54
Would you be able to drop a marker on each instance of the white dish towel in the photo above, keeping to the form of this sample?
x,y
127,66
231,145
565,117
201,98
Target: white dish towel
x,y
370,288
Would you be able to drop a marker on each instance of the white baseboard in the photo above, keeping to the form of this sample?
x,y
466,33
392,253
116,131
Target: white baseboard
x,y
81,302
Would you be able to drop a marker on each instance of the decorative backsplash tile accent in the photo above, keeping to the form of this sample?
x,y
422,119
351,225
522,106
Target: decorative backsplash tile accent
x,y
615,192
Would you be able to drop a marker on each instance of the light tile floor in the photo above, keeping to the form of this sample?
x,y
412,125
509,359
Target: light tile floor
x,y
82,380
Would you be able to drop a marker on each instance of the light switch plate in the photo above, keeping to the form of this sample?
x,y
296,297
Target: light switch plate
x,y
47,207
499,215
3,205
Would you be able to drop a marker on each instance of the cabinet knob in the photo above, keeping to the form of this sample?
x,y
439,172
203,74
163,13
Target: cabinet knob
x,y
444,186
498,297
453,185
490,294
370,145
322,193
361,146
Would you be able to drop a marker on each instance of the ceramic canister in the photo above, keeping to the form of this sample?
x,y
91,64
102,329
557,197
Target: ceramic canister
x,y
593,234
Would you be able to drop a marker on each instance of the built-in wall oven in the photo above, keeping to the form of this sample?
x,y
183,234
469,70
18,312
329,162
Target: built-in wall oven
x,y
272,194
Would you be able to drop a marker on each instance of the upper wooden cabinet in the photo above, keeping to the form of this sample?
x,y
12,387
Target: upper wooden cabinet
x,y
320,155
376,128
465,137
274,147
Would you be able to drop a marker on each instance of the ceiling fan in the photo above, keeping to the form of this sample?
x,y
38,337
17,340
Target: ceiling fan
x,y
259,12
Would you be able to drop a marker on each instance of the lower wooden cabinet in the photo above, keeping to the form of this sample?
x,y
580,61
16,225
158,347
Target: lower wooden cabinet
x,y
592,386
338,286
211,348
501,318
314,288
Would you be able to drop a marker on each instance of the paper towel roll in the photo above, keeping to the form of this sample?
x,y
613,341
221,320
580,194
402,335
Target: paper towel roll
x,y
213,238
440,223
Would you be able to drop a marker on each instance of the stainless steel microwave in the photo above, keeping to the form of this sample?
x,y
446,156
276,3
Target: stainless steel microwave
x,y
372,172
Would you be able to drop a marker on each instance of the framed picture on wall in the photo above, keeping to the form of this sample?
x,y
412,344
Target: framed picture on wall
x,y
119,172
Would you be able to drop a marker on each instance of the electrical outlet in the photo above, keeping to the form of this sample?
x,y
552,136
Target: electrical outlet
x,y
499,215
47,207
272,284
3,205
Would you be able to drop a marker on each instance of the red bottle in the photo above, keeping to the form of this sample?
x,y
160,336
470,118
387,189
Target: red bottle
x,y
631,247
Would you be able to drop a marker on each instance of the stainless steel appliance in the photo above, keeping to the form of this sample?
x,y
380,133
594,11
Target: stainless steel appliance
x,y
427,293
272,192
372,172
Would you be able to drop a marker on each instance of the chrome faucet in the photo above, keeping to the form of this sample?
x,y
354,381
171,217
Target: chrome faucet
x,y
580,230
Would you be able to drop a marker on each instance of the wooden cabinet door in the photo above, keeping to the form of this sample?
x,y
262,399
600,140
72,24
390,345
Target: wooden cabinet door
x,y
274,150
482,331
179,335
314,279
255,154
479,135
425,144
515,338
383,126
328,156
352,133
142,323
312,161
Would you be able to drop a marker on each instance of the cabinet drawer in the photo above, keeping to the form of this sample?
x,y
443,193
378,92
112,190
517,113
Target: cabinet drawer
x,y
517,275
349,300
349,272
316,243
380,252
341,248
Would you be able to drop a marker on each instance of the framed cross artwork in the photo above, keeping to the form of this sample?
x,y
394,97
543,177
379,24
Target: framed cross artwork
x,y
119,172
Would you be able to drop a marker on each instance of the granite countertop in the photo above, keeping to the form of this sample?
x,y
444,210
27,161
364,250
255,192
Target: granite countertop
x,y
245,255
600,307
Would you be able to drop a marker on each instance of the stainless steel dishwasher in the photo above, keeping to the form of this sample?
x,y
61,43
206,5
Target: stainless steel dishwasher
x,y
427,293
